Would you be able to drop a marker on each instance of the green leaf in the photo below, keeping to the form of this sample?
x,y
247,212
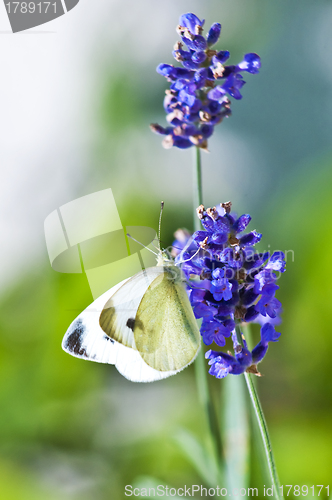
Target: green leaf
x,y
199,456
235,429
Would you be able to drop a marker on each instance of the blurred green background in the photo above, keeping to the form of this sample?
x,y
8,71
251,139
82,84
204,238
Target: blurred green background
x,y
71,429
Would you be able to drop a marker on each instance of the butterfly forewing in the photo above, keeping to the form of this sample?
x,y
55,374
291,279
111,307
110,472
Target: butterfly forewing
x,y
165,329
144,326
118,315
86,340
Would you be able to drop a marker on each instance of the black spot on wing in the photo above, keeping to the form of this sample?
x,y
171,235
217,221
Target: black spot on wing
x,y
131,323
135,324
108,338
75,338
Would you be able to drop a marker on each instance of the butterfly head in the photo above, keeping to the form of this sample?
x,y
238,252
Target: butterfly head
x,y
164,258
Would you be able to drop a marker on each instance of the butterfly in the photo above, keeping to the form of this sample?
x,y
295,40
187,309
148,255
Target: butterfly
x,y
145,325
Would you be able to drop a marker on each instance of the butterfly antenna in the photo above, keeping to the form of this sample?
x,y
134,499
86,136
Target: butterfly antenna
x,y
190,258
147,248
159,230
153,243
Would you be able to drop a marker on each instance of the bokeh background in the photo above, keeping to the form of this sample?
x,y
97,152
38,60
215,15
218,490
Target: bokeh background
x,y
77,96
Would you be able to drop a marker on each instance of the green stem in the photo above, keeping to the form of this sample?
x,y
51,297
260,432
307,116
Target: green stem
x,y
265,435
262,426
197,186
204,395
200,364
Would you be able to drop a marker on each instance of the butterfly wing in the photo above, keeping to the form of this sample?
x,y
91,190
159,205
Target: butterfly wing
x,y
118,315
85,339
165,329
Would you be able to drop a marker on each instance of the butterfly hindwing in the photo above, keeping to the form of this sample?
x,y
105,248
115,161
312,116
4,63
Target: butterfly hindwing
x,y
165,329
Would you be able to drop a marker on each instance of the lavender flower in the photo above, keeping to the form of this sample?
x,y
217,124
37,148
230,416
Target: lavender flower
x,y
222,364
198,96
231,283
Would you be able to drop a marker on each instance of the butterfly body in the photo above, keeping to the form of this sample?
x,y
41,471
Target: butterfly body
x,y
144,326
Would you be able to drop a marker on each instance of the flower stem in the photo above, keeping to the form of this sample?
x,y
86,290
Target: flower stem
x,y
265,435
200,364
261,420
197,186
204,395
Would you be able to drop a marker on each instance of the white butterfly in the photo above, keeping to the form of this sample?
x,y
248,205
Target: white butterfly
x,y
144,326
